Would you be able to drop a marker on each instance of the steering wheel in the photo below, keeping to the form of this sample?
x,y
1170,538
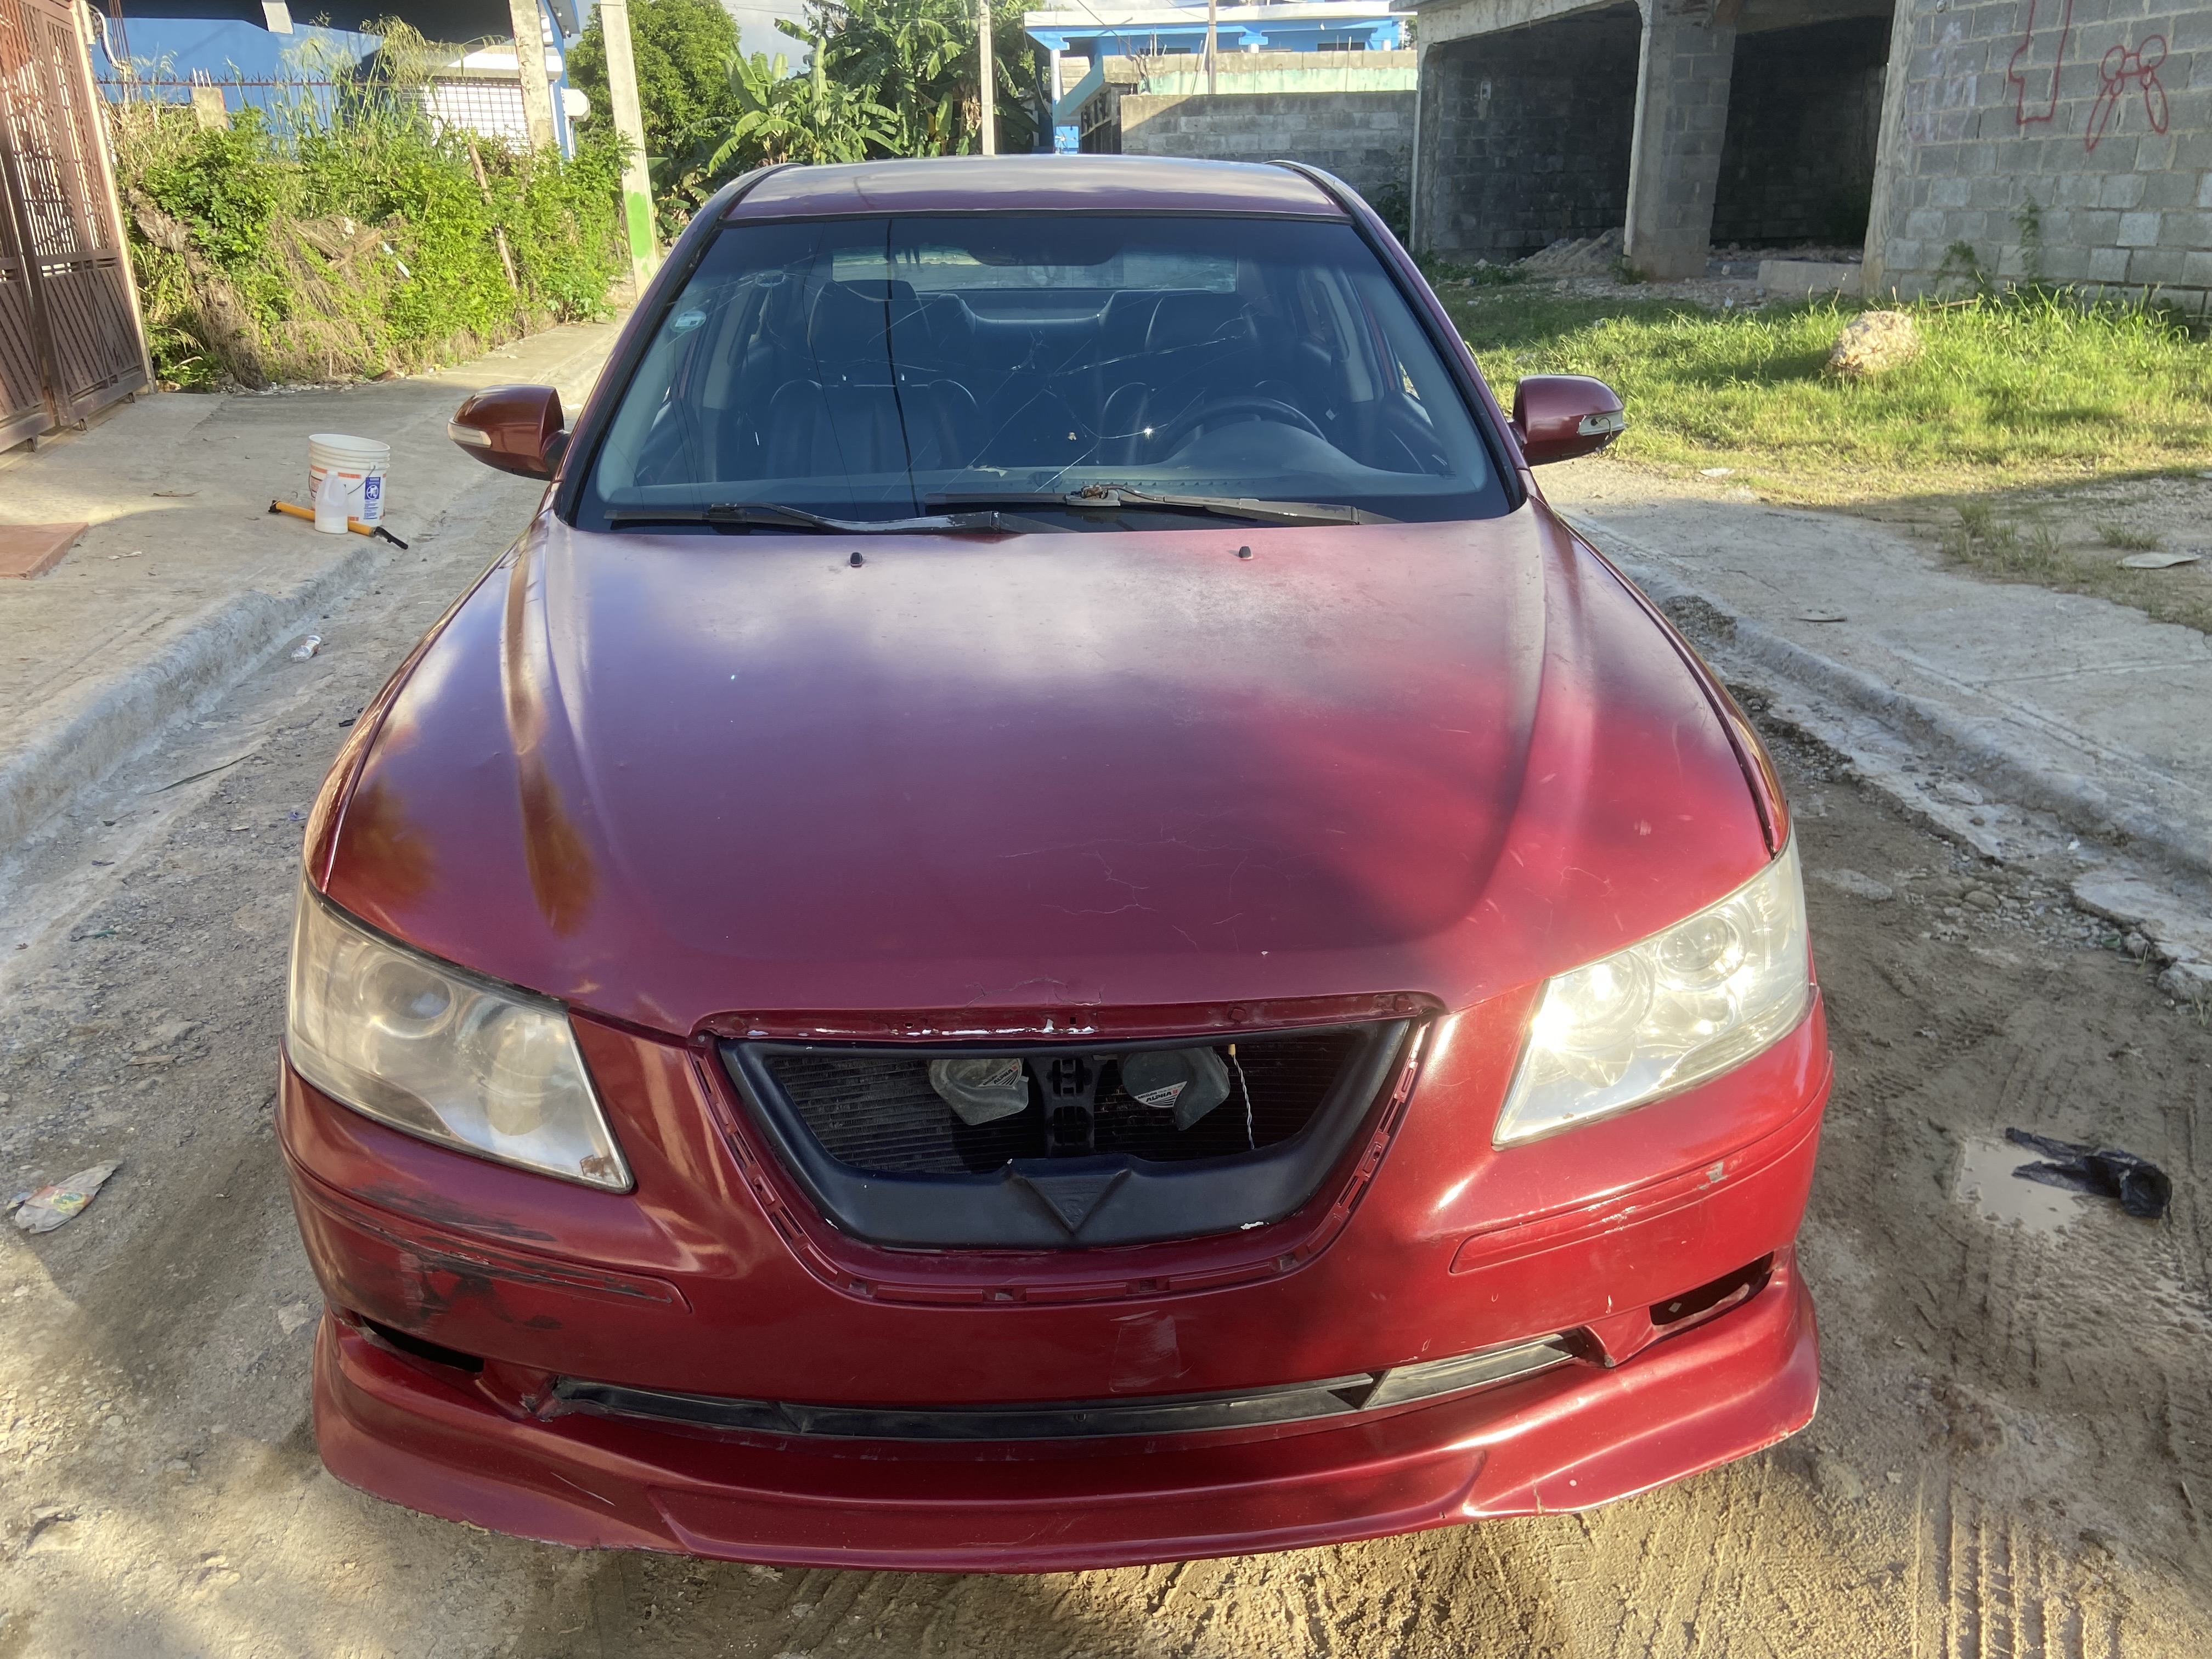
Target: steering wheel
x,y
1246,405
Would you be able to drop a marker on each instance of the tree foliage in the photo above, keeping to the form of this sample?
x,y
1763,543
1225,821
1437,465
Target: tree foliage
x,y
917,59
883,78
683,50
783,117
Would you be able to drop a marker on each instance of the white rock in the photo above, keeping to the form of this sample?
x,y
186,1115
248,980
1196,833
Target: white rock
x,y
2187,981
1873,344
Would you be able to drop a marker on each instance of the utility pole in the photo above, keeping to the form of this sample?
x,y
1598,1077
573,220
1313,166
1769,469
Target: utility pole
x,y
636,183
530,65
989,113
1209,48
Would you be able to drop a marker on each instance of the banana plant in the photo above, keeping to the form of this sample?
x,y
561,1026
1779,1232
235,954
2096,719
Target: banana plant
x,y
885,77
783,117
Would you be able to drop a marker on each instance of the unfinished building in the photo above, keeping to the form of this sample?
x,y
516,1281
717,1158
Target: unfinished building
x,y
1671,121
2064,141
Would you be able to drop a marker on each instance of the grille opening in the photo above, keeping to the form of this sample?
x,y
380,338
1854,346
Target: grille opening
x,y
878,1112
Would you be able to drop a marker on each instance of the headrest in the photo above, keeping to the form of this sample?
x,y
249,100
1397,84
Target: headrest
x,y
1126,321
940,322
783,312
877,288
846,324
1185,320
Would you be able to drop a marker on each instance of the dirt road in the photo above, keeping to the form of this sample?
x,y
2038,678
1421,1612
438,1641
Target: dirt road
x,y
2014,1453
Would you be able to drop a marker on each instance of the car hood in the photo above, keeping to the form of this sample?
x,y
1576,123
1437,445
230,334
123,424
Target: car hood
x,y
688,780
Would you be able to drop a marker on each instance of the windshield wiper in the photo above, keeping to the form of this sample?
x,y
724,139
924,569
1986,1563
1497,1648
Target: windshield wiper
x,y
1105,495
772,515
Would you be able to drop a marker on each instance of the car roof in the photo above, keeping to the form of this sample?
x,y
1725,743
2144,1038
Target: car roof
x,y
983,184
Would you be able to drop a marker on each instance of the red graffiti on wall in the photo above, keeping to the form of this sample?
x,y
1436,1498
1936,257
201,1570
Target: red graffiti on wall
x,y
2045,76
2122,69
2040,59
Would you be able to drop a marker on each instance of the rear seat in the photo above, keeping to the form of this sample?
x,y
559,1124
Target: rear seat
x,y
977,389
845,407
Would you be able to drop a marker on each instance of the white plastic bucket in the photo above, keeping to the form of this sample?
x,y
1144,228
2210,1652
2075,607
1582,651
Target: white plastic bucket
x,y
360,464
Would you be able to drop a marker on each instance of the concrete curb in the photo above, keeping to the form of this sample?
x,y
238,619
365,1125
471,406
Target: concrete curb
x,y
206,656
2079,802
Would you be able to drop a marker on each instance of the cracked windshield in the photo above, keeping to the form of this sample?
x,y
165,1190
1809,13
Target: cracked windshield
x,y
1049,370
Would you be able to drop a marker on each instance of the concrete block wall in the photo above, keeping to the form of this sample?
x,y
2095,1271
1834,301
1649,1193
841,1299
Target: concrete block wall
x,y
1681,124
2068,141
1365,138
1525,134
1282,71
1804,115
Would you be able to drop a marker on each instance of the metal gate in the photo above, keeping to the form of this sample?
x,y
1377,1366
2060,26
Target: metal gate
x,y
71,340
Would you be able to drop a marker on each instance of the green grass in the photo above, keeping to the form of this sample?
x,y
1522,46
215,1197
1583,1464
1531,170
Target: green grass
x,y
1999,548
2010,391
2128,540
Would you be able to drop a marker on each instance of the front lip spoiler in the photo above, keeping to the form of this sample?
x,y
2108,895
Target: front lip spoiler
x,y
1296,1402
1571,1439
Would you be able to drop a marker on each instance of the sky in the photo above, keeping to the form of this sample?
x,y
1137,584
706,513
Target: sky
x,y
756,26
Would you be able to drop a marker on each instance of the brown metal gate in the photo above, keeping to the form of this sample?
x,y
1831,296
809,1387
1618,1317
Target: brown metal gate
x,y
70,341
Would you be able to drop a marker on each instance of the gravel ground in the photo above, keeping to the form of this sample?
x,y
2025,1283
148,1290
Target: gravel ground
x,y
2013,1456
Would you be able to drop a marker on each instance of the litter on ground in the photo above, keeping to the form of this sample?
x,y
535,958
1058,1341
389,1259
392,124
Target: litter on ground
x,y
50,1206
2141,1186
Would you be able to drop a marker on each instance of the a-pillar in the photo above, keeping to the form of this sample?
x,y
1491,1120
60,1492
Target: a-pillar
x,y
1681,118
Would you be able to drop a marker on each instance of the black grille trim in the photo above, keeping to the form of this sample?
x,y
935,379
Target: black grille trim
x,y
1096,1419
874,1110
1056,1203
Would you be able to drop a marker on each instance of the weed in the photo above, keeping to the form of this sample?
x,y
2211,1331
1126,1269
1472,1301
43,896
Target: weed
x,y
351,240
1962,264
2128,540
2030,221
1996,545
1394,206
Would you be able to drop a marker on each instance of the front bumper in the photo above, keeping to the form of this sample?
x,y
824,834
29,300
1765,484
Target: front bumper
x,y
713,1279
1568,1439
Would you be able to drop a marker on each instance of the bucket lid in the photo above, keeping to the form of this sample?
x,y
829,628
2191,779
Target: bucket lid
x,y
340,440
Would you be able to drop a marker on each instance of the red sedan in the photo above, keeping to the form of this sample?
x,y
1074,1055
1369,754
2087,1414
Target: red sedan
x,y
1046,919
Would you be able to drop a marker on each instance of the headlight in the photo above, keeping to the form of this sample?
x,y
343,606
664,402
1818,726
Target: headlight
x,y
1670,1011
428,1049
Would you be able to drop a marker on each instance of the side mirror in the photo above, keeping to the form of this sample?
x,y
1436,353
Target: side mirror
x,y
516,429
1560,417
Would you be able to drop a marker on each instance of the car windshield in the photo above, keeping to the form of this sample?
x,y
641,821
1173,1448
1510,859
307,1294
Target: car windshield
x,y
888,367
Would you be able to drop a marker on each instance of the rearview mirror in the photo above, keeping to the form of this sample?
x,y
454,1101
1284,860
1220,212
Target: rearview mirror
x,y
516,429
1560,417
